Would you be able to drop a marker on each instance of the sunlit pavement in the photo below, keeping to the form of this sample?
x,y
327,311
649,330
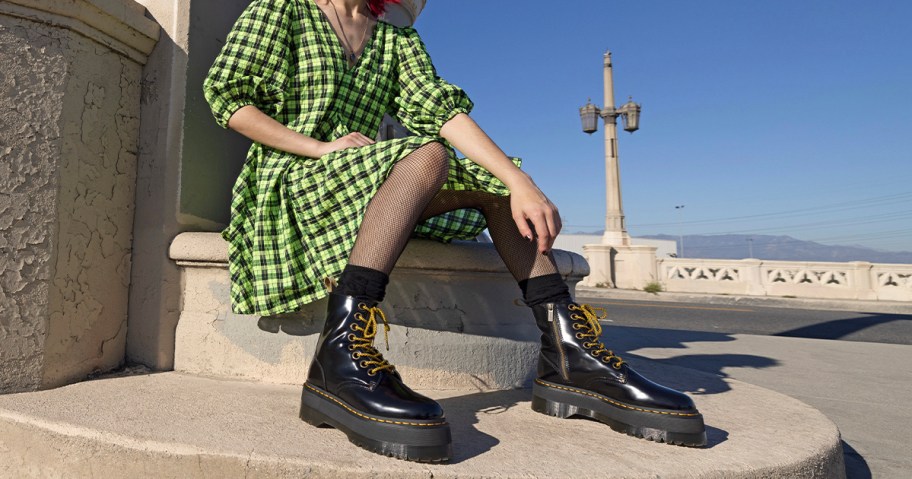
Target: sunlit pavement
x,y
853,376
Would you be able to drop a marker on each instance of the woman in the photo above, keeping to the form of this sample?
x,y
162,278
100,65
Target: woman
x,y
321,209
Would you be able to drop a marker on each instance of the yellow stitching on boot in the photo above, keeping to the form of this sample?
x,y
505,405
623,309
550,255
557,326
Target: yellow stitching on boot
x,y
619,404
356,413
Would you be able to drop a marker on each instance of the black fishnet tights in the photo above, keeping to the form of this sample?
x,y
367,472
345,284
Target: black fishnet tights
x,y
412,193
520,255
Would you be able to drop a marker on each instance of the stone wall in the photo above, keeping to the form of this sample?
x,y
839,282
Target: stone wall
x,y
69,124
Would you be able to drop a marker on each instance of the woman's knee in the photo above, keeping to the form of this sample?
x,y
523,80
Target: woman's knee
x,y
435,162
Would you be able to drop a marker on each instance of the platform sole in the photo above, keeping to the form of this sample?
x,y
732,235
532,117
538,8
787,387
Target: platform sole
x,y
410,440
671,427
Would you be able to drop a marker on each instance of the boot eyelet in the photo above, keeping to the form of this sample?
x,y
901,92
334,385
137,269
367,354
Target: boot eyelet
x,y
606,359
363,364
351,337
359,316
362,306
351,347
616,366
353,327
356,355
579,335
576,326
371,373
575,316
594,353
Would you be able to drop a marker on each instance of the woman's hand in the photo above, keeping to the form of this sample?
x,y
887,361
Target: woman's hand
x,y
529,204
351,140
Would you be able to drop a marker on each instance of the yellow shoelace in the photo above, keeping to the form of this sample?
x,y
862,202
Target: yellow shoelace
x,y
593,331
365,342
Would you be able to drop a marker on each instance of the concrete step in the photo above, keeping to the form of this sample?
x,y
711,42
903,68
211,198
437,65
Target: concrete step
x,y
178,425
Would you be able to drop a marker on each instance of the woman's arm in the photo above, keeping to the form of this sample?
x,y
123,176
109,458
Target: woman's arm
x,y
262,128
528,203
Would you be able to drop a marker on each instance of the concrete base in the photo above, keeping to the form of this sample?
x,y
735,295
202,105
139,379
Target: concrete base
x,y
175,425
456,314
613,266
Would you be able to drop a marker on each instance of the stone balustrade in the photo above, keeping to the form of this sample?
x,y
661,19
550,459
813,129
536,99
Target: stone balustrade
x,y
854,280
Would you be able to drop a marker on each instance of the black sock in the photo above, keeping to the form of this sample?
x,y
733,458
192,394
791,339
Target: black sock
x,y
549,288
362,282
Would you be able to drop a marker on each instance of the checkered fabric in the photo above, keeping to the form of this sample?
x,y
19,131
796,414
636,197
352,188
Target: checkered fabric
x,y
294,219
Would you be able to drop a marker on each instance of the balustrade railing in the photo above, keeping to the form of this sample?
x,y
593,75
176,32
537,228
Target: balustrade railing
x,y
855,280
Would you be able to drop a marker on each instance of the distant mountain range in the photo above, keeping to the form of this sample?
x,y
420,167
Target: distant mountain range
x,y
782,248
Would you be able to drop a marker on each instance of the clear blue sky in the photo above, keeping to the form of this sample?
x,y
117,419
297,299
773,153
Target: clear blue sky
x,y
774,117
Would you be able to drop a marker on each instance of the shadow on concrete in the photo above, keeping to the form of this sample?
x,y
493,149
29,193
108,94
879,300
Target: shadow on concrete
x,y
841,328
714,437
292,325
463,413
623,339
713,364
855,464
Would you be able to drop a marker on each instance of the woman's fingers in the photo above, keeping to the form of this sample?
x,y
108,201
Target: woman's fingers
x,y
553,225
523,226
536,218
544,237
351,140
361,139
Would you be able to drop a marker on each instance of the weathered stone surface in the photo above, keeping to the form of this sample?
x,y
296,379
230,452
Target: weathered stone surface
x,y
69,115
174,425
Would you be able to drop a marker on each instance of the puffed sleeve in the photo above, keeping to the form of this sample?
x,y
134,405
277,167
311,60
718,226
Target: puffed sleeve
x,y
424,102
253,66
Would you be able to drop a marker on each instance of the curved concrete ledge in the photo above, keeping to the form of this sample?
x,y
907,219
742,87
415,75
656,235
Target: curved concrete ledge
x,y
174,425
208,249
455,310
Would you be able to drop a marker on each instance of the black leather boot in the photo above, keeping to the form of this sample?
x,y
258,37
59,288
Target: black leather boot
x,y
352,388
578,376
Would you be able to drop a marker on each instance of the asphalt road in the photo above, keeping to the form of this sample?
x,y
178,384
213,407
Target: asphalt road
x,y
854,367
798,323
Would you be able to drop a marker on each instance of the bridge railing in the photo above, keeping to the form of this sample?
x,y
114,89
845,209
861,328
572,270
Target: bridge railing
x,y
854,280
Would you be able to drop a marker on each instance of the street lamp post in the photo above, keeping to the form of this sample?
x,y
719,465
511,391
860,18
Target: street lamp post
x,y
615,227
680,209
615,262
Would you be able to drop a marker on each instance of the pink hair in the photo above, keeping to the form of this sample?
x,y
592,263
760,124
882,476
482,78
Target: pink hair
x,y
377,7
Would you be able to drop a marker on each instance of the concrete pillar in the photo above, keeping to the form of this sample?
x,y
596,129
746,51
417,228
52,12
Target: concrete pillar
x,y
634,266
860,280
752,277
615,227
69,129
600,258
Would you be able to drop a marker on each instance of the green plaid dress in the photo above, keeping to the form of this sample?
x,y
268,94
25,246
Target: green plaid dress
x,y
294,219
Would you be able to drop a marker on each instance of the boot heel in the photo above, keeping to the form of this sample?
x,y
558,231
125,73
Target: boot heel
x,y
552,408
314,418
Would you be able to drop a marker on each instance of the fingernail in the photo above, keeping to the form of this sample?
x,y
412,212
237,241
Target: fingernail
x,y
529,237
